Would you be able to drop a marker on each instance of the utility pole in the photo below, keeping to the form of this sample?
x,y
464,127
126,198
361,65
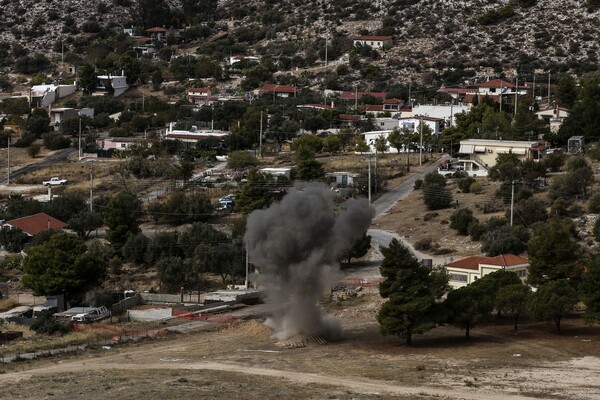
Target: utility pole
x,y
260,136
501,95
91,186
533,88
355,98
409,93
548,88
247,267
369,177
516,92
512,201
79,138
421,144
8,157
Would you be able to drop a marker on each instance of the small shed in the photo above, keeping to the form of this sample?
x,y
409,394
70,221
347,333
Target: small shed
x,y
575,145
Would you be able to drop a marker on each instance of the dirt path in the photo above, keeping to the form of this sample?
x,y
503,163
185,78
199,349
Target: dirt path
x,y
366,386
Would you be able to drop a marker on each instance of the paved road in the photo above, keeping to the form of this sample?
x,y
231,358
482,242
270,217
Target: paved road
x,y
383,204
382,238
59,155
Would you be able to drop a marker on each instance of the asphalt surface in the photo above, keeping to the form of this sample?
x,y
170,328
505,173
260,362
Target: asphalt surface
x,y
57,156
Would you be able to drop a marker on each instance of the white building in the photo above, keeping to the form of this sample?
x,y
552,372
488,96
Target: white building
x,y
377,42
193,135
468,270
117,82
44,95
447,112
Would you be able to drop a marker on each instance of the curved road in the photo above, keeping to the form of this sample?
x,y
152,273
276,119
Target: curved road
x,y
382,238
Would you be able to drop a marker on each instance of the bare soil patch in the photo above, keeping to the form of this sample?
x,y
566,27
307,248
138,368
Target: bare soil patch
x,y
243,360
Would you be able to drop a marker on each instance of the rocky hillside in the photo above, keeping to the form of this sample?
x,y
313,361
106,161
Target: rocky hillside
x,y
437,42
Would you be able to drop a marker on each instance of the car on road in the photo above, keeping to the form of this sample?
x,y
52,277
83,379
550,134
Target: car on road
x,y
55,181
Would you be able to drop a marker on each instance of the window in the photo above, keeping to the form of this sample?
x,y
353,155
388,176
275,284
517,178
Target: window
x,y
522,272
123,145
458,277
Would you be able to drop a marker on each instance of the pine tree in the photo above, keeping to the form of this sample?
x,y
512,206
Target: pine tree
x,y
412,292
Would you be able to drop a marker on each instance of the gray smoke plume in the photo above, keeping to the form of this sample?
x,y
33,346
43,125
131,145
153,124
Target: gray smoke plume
x,y
296,243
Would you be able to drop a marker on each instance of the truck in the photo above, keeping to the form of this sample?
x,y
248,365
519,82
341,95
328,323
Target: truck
x,y
55,181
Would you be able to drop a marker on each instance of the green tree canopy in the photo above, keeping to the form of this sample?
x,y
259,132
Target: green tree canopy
x,y
358,248
553,300
590,293
461,219
121,216
412,293
62,265
513,299
554,252
466,307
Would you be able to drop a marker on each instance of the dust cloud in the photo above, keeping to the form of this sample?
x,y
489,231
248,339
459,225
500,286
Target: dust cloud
x,y
296,244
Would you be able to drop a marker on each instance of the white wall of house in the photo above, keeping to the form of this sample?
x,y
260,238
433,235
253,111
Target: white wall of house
x,y
447,112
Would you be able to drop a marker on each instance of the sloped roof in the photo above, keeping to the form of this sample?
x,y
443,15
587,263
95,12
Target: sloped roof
x,y
271,87
503,260
156,29
506,260
468,263
496,83
34,224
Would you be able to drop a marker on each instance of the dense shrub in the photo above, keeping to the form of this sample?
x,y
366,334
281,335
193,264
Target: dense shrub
x,y
461,220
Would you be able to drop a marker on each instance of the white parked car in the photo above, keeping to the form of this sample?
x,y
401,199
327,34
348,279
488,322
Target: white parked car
x,y
55,181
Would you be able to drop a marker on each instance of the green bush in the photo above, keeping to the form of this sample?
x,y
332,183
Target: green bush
x,y
464,184
461,220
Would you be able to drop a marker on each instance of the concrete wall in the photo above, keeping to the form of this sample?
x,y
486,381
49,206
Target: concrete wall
x,y
126,304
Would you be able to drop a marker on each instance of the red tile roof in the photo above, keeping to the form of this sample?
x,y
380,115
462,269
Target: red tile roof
x,y
373,107
496,83
506,260
34,224
349,117
503,260
156,29
200,90
468,263
271,87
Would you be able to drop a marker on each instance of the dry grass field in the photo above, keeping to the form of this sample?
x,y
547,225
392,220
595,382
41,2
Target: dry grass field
x,y
242,360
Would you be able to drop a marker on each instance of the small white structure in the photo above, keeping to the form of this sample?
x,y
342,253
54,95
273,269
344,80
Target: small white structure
x,y
468,270
44,95
447,112
282,171
376,42
193,135
119,144
117,82
554,117
342,178
236,59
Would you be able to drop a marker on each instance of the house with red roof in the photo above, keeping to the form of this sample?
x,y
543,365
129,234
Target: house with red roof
x,y
36,223
277,90
468,270
376,42
199,96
